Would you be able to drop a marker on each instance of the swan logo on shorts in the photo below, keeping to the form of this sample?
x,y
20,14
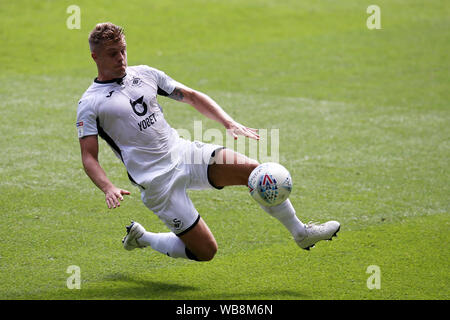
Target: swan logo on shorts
x,y
177,223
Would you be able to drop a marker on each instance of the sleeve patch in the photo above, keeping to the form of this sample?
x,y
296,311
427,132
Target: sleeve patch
x,y
80,129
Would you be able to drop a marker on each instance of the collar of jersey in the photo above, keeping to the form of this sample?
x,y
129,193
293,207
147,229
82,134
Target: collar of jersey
x,y
117,80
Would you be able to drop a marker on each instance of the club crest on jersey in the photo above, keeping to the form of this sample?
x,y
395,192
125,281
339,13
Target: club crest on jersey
x,y
136,82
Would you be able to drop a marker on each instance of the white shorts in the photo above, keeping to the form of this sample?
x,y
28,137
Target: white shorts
x,y
166,194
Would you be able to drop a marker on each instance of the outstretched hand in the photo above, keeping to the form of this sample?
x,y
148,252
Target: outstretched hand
x,y
113,195
234,129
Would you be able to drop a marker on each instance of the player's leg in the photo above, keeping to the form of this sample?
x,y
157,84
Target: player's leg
x,y
200,242
232,168
190,237
196,244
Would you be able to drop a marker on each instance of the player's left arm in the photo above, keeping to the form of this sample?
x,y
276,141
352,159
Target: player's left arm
x,y
209,108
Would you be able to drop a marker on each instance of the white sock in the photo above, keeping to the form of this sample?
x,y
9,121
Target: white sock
x,y
285,213
166,243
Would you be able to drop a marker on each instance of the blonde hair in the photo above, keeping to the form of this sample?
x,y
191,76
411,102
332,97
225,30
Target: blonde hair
x,y
103,33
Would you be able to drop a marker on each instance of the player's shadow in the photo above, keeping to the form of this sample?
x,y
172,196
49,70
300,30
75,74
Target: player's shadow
x,y
147,289
137,288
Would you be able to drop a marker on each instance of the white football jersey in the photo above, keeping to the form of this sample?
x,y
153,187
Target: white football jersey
x,y
126,114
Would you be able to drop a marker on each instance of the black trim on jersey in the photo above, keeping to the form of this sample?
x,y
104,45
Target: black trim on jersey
x,y
193,225
114,146
117,80
209,165
161,92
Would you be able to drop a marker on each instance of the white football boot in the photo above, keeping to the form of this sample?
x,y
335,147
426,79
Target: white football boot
x,y
134,232
317,232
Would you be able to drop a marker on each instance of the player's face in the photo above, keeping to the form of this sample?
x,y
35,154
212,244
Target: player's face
x,y
112,59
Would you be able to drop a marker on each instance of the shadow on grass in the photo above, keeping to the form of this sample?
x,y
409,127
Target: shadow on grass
x,y
114,287
120,286
149,289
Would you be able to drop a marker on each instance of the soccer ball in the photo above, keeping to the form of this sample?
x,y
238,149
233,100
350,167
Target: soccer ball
x,y
270,184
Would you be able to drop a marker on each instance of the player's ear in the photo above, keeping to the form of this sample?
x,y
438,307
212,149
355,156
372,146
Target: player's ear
x,y
94,56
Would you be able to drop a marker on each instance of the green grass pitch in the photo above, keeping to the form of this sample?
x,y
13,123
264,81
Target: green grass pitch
x,y
364,125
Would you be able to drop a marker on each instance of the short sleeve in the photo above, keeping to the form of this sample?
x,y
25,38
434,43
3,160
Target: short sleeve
x,y
86,118
165,83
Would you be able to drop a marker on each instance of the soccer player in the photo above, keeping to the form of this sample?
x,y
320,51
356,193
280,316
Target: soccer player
x,y
121,106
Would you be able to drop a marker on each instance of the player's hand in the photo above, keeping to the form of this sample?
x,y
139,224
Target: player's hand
x,y
235,129
113,196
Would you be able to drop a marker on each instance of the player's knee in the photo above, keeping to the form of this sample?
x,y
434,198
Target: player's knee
x,y
245,174
208,251
252,164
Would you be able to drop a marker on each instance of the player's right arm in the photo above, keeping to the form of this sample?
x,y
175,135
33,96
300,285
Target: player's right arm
x,y
89,157
202,102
